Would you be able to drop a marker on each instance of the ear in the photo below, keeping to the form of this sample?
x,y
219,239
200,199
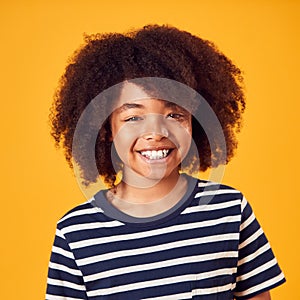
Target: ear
x,y
106,132
109,130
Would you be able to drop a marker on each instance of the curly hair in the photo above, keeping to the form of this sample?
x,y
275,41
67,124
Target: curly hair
x,y
105,60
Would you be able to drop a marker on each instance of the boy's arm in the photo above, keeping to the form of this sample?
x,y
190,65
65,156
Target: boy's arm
x,y
258,270
263,296
65,280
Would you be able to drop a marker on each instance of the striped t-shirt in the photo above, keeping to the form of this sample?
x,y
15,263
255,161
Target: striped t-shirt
x,y
208,246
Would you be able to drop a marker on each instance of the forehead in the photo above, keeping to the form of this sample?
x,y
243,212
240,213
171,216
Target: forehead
x,y
130,93
131,96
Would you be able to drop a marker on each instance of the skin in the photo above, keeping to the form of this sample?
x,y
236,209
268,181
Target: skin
x,y
145,125
263,296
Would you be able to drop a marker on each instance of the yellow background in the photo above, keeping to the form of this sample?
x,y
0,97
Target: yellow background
x,y
261,37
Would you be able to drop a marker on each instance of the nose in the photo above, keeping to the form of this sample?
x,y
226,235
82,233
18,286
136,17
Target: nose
x,y
155,128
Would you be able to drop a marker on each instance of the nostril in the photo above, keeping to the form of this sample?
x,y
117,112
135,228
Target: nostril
x,y
155,135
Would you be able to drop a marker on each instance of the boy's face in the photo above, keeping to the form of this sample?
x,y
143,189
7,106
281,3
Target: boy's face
x,y
151,136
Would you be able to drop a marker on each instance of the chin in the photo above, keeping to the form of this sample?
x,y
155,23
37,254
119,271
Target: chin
x,y
157,174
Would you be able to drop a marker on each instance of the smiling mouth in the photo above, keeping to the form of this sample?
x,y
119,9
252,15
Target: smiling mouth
x,y
156,154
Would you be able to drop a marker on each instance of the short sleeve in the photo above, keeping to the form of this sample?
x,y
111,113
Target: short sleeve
x,y
65,280
258,270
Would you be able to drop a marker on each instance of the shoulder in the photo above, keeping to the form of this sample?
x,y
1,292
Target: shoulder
x,y
81,213
217,198
216,192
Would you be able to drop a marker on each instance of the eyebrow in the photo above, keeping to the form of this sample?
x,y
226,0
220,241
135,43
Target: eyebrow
x,y
127,106
172,105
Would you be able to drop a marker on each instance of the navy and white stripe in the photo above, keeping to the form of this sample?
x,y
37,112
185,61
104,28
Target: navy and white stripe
x,y
200,251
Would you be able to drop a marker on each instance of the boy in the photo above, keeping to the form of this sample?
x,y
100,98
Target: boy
x,y
136,105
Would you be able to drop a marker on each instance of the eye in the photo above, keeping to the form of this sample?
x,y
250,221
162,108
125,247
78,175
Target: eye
x,y
133,119
175,116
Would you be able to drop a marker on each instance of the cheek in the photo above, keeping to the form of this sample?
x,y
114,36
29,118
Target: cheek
x,y
186,140
124,140
182,132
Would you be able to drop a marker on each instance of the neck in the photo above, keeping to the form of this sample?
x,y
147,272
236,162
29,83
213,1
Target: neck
x,y
144,190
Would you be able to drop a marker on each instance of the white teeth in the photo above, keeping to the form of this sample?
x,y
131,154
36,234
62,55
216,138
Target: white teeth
x,y
155,154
